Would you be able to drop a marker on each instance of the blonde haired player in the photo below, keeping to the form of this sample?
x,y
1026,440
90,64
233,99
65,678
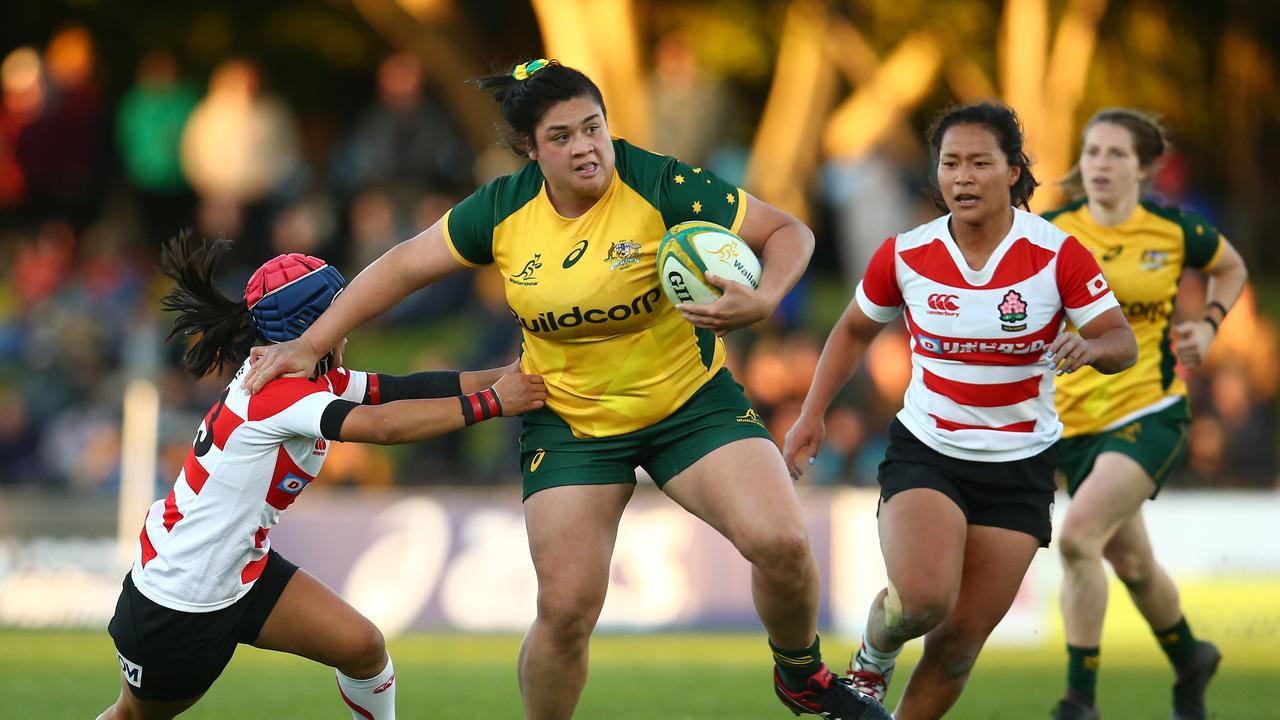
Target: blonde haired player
x,y
1125,434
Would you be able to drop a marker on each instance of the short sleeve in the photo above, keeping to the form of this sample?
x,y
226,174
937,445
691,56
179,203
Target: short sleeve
x,y
878,294
1081,284
468,227
348,384
291,407
1203,241
693,193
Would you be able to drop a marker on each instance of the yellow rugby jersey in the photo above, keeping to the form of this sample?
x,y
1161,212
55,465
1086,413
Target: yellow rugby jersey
x,y
615,353
1142,259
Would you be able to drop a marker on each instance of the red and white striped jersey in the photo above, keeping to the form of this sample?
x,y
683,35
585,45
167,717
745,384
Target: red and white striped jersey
x,y
981,384
204,545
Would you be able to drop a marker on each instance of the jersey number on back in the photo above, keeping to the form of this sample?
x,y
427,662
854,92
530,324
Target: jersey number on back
x,y
204,437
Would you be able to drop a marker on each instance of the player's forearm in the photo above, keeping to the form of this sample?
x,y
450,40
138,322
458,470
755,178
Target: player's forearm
x,y
1115,350
477,380
402,421
785,257
1226,283
840,357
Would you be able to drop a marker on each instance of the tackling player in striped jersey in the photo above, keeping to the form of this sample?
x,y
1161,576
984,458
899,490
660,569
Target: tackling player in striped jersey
x,y
205,577
967,482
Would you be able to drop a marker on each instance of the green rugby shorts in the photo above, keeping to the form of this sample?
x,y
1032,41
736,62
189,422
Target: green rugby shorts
x,y
1157,442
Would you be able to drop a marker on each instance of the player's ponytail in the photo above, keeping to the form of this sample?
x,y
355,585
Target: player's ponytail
x,y
222,328
527,92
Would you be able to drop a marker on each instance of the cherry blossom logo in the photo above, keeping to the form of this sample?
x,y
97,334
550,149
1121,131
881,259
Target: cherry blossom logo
x,y
1013,312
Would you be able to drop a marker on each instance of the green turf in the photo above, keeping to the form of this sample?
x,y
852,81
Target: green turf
x,y
668,677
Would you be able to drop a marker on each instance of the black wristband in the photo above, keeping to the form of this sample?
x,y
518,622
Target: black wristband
x,y
1215,304
388,388
1212,323
479,406
335,413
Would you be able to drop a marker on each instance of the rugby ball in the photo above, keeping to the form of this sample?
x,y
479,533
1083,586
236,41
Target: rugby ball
x,y
690,249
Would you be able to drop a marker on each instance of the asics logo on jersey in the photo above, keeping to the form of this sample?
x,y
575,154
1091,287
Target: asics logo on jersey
x,y
537,460
574,255
525,276
551,321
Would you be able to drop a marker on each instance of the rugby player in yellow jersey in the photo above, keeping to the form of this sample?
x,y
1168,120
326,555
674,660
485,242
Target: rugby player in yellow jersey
x,y
630,382
1123,434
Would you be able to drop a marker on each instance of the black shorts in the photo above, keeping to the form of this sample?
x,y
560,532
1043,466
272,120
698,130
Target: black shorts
x,y
171,655
1017,495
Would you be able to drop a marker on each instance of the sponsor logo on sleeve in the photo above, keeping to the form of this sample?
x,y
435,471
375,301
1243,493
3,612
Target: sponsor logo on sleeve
x,y
292,484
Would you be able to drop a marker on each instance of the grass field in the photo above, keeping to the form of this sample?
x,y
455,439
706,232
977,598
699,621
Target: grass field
x,y
49,676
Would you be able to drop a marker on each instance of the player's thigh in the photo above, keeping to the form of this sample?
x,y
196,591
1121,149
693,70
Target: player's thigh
x,y
923,539
129,707
995,562
741,489
572,530
1112,492
312,621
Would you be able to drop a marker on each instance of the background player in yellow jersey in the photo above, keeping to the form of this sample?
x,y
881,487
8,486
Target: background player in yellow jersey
x,y
629,381
1125,433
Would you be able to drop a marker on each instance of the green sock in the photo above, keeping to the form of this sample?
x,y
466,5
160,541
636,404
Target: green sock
x,y
796,666
1178,643
1082,674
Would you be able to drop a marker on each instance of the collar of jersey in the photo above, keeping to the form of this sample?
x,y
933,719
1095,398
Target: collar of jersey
x,y
545,199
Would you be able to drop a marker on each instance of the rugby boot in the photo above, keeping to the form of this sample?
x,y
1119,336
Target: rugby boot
x,y
1188,691
1068,709
831,697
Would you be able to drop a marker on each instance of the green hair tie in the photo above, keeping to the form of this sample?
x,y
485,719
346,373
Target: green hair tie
x,y
524,70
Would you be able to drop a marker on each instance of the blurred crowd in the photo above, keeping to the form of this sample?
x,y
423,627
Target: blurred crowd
x,y
91,184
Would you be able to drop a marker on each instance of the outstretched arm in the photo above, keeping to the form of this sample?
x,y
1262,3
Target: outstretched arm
x,y
409,266
405,421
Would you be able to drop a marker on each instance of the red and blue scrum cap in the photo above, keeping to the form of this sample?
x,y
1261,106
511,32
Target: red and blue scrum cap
x,y
289,292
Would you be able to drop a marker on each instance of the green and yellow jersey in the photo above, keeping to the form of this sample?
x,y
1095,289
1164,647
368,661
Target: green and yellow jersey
x,y
614,352
1142,258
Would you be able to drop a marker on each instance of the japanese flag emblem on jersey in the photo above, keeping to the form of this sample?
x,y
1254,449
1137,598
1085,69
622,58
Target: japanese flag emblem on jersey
x,y
292,484
1097,285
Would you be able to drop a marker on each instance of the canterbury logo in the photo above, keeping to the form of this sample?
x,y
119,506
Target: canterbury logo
x,y
384,686
726,252
940,301
537,460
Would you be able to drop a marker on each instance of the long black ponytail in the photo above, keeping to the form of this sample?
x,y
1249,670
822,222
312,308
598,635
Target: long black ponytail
x,y
223,328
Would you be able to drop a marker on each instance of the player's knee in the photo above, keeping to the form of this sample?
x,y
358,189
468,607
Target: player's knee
x,y
367,653
1077,546
777,550
960,657
569,618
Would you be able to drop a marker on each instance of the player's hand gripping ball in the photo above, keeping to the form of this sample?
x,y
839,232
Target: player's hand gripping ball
x,y
691,249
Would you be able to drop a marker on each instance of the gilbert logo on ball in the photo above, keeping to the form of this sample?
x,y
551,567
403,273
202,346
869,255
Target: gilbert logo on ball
x,y
690,250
